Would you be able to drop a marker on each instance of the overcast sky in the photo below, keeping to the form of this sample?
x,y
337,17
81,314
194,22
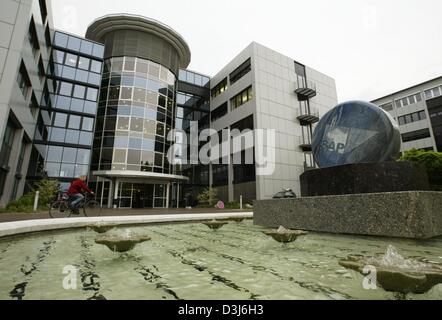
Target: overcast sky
x,y
371,47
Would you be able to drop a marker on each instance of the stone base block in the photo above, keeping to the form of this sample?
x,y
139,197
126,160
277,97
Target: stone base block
x,y
365,178
414,214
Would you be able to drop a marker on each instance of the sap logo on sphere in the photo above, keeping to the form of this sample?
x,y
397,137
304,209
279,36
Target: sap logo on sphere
x,y
334,147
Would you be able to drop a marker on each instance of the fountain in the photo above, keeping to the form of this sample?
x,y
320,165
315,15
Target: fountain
x,y
396,273
101,228
215,225
121,243
284,235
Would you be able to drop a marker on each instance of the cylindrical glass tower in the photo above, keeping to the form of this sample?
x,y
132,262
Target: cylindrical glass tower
x,y
136,111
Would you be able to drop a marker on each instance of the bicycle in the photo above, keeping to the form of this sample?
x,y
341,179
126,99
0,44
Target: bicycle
x,y
60,207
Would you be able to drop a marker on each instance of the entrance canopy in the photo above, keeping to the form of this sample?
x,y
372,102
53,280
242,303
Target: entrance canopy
x,y
140,177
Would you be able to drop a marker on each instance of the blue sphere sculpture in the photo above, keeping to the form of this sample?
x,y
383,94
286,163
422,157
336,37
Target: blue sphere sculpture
x,y
355,132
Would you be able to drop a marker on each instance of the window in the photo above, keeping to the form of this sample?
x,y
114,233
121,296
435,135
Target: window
x,y
241,98
433,93
41,69
60,120
241,71
88,124
92,94
98,50
8,140
79,91
219,88
61,39
96,66
416,135
219,112
65,89
244,124
409,100
413,117
86,47
33,105
33,38
48,36
24,83
83,63
43,10
74,122
71,60
58,56
74,43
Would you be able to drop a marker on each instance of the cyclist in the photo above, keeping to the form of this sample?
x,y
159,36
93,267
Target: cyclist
x,y
76,191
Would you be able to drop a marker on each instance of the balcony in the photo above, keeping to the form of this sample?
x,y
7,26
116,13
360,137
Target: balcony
x,y
309,166
306,147
305,89
307,115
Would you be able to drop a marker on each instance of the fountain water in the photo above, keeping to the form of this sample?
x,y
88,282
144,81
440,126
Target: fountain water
x,y
284,235
101,227
122,242
396,273
215,225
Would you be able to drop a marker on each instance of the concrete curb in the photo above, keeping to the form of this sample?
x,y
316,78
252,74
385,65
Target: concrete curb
x,y
29,226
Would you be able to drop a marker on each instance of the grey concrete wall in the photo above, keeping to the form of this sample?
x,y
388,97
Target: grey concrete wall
x,y
400,214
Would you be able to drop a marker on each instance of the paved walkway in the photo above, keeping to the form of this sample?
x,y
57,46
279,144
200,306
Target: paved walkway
x,y
10,217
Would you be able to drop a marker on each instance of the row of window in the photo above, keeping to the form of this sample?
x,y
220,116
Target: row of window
x,y
241,71
413,117
151,112
61,135
134,160
136,126
241,98
76,91
141,67
75,74
433,93
436,114
116,80
76,61
416,135
68,121
192,101
72,104
193,78
73,43
409,100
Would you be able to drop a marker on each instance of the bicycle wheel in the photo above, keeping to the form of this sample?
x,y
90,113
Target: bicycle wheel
x,y
59,209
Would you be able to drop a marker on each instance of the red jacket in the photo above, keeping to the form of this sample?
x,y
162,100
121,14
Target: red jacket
x,y
78,186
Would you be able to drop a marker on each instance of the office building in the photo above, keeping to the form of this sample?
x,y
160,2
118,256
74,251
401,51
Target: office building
x,y
418,111
25,49
104,106
263,89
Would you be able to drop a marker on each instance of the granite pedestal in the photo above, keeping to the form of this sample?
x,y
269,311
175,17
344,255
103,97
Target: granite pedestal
x,y
365,178
414,214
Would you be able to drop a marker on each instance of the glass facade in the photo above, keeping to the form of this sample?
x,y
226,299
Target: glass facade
x,y
193,104
135,114
64,134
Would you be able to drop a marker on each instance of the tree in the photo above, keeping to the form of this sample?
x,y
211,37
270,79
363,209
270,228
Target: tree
x,y
432,162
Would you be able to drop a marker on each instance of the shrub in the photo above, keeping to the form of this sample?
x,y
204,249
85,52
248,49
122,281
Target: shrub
x,y
208,196
233,205
432,162
47,188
